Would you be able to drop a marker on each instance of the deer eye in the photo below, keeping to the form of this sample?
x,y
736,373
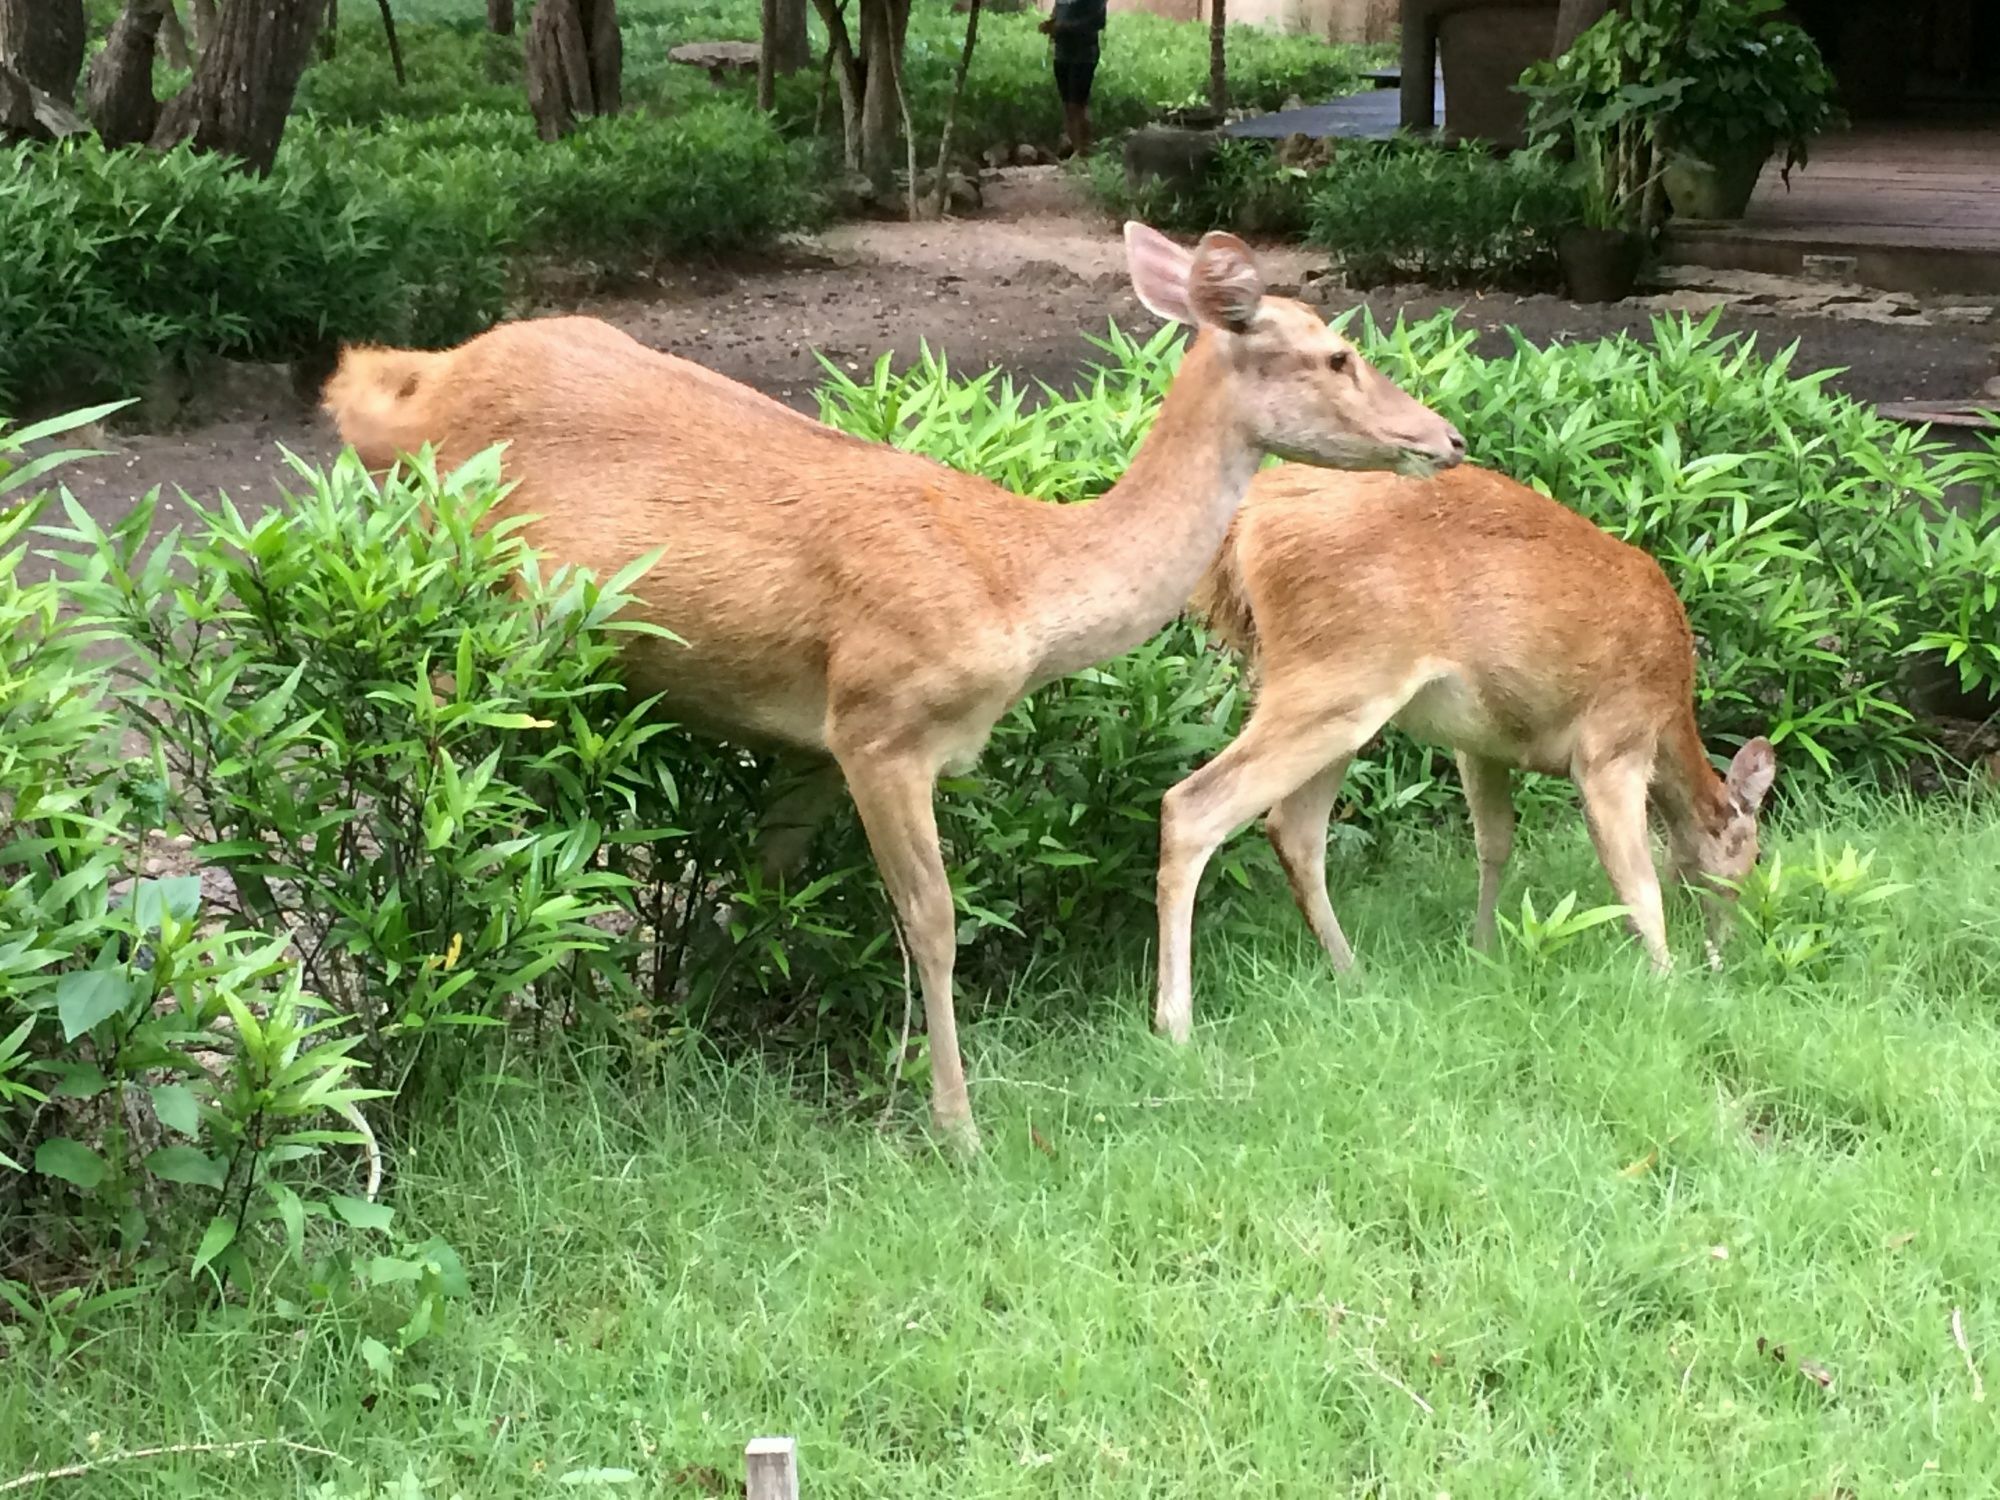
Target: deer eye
x,y
1338,361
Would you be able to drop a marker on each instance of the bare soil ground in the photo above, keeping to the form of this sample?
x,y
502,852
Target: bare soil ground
x,y
1019,287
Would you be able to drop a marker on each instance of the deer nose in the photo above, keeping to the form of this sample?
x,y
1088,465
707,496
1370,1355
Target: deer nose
x,y
1456,440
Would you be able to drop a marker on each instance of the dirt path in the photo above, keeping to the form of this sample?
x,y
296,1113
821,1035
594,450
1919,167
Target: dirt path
x,y
1019,287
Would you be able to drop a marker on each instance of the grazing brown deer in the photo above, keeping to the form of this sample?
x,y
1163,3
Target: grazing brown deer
x,y
1473,613
872,609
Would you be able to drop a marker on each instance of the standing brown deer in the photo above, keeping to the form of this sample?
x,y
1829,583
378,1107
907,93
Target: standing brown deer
x,y
872,609
1474,613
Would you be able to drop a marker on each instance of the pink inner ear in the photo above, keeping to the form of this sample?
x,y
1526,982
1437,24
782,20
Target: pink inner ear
x,y
1159,270
1751,772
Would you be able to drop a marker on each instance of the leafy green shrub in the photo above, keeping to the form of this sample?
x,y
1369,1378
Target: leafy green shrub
x,y
449,69
410,233
712,179
1246,188
1806,915
390,756
1793,522
1453,217
116,257
1149,65
156,1066
1798,525
435,794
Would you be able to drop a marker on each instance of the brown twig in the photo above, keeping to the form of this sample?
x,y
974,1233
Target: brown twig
x,y
1958,1338
91,1466
903,1045
1375,1369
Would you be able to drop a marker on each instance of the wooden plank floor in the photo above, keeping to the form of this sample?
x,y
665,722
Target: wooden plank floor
x,y
1915,207
1914,185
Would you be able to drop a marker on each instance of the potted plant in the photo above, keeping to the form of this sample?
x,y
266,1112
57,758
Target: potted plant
x,y
1596,109
1601,253
1720,86
1751,85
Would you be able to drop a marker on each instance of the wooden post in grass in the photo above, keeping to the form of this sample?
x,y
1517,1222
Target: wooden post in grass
x,y
771,1468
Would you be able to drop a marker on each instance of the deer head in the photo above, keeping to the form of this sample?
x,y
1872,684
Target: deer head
x,y
1715,856
1297,389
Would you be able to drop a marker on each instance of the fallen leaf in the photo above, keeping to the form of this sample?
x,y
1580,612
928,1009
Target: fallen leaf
x,y
1041,1143
1897,1241
1720,1252
1817,1373
1640,1167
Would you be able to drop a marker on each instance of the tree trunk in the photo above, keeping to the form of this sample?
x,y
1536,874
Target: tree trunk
x,y
244,84
500,17
784,48
574,62
1218,55
41,53
1574,18
847,73
329,32
883,24
43,41
119,97
173,38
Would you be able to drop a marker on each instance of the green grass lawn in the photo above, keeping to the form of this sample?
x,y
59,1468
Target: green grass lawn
x,y
1446,1230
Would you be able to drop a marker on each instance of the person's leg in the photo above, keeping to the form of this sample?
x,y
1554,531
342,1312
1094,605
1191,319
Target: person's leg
x,y
1086,75
1065,71
1076,126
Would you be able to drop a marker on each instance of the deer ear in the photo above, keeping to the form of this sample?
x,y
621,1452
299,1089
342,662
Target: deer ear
x,y
1160,271
1225,285
1751,773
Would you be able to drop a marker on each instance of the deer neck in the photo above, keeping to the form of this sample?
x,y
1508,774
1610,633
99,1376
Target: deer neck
x,y
1118,568
1692,800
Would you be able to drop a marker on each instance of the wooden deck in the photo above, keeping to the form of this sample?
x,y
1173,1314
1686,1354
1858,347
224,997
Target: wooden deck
x,y
1915,207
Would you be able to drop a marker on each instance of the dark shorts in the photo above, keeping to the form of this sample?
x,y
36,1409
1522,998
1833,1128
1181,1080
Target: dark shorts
x,y
1076,66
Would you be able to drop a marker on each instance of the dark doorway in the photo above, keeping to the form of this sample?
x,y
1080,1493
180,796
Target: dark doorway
x,y
1922,59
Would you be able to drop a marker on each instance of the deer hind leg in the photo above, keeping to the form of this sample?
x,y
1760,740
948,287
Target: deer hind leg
x,y
893,792
785,831
1614,804
783,840
1297,828
1281,748
1489,794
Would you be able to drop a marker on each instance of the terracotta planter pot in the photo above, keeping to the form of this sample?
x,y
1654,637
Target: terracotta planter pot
x,y
1719,189
1599,265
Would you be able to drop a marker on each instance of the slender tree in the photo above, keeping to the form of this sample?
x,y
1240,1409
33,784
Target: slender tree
x,y
941,189
500,17
389,31
1218,55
